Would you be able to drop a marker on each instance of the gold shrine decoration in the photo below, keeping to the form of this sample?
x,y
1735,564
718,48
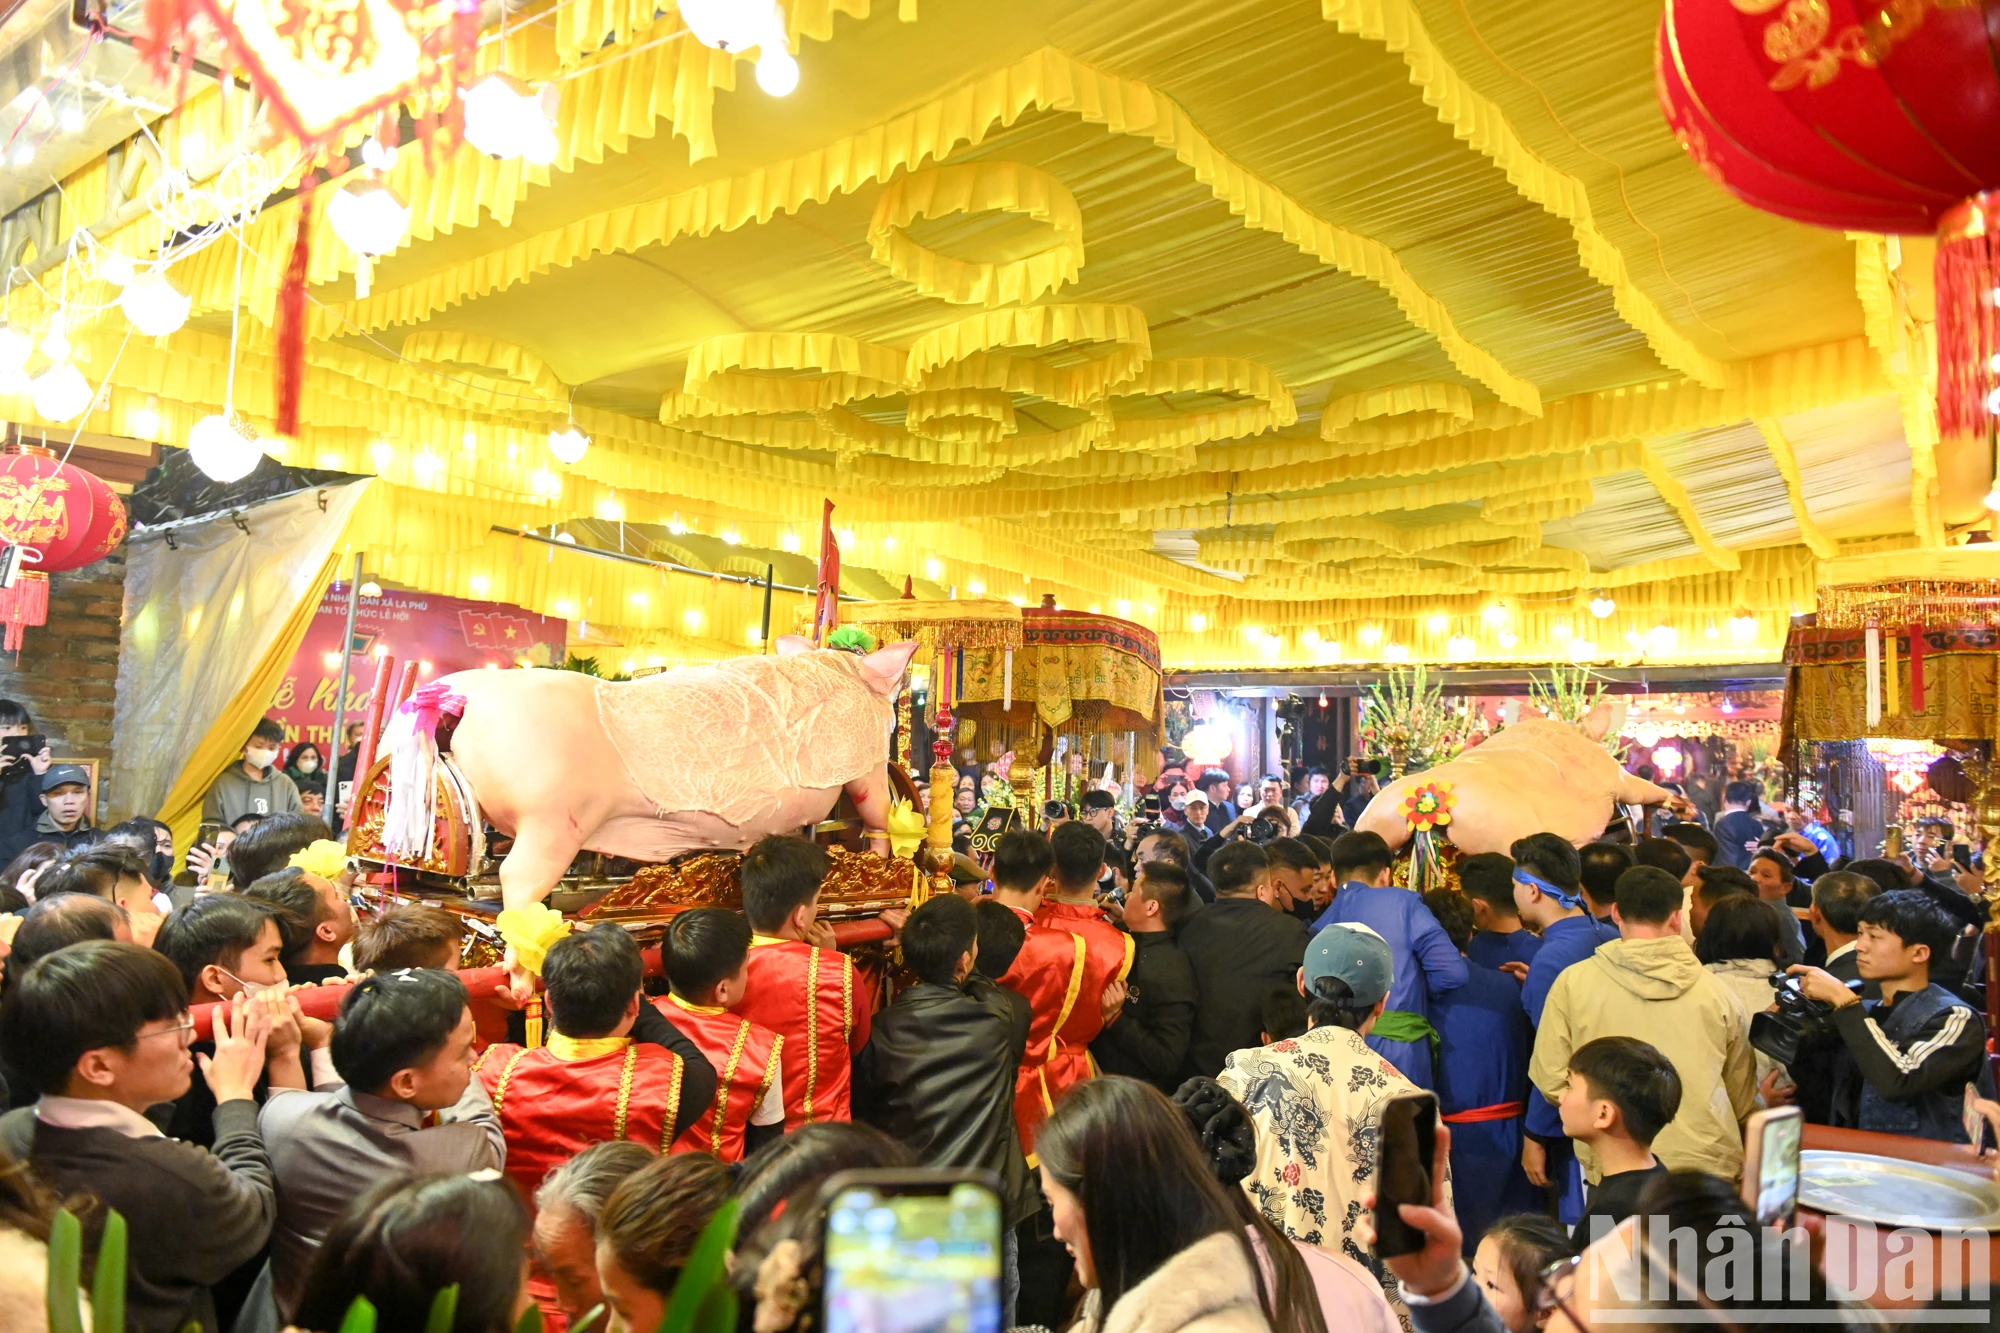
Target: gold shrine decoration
x,y
1827,685
992,625
1100,671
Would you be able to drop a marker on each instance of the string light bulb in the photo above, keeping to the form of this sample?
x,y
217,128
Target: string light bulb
x,y
1601,604
777,70
153,305
225,448
732,25
60,392
568,445
507,119
15,349
372,220
144,422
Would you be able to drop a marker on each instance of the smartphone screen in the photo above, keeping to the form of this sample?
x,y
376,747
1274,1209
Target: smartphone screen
x,y
1408,1146
1771,1166
915,1252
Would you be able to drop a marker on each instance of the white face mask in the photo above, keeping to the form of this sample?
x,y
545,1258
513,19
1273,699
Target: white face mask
x,y
1177,802
260,758
308,764
252,988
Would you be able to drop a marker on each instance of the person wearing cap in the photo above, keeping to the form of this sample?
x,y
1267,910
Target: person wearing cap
x,y
1647,984
65,806
1427,964
1317,1100
1548,893
1201,843
255,785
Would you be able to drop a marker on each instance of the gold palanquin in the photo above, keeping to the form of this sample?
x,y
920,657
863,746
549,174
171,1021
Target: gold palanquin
x,y
1075,673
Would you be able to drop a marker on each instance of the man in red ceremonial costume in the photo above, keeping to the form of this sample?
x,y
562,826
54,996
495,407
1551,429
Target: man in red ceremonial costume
x,y
614,1067
801,987
707,963
1067,976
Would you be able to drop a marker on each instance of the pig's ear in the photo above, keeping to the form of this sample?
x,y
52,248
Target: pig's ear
x,y
883,669
1597,721
791,645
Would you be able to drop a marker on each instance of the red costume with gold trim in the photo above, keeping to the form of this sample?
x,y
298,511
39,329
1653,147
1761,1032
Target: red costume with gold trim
x,y
746,1059
556,1100
1070,955
810,997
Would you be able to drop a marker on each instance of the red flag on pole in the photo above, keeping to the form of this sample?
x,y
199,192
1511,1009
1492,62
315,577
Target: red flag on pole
x,y
826,609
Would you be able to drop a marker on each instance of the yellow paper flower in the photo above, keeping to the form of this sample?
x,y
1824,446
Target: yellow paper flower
x,y
529,931
906,829
323,858
1429,806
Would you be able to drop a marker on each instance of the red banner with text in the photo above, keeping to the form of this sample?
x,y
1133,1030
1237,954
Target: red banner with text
x,y
440,634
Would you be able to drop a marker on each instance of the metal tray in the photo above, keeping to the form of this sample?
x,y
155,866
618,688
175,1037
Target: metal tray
x,y
1892,1192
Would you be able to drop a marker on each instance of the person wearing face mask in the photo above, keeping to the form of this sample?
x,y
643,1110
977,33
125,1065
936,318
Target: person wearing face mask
x,y
306,767
254,786
227,945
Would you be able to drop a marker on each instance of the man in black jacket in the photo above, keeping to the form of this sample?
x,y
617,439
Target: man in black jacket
x,y
1240,949
939,1068
1149,1038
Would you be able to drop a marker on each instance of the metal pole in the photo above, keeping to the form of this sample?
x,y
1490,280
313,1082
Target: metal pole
x,y
764,635
332,758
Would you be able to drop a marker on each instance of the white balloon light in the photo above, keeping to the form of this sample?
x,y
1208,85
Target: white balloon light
x,y
568,445
731,25
14,382
224,447
114,268
60,392
15,349
505,118
153,306
369,217
777,71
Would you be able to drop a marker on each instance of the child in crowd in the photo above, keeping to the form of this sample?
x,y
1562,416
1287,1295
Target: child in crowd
x,y
1509,1262
1621,1094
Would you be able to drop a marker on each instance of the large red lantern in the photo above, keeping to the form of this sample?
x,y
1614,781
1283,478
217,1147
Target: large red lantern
x,y
62,518
1866,115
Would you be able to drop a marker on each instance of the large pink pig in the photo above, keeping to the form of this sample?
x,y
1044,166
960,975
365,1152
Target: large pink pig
x,y
1536,776
692,759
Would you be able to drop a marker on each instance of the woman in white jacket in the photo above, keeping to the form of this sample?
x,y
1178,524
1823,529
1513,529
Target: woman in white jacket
x,y
1739,947
1158,1243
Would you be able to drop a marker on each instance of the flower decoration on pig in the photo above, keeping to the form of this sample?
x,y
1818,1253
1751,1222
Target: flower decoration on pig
x,y
1429,806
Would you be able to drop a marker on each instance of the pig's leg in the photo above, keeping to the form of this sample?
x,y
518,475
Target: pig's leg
x,y
870,794
543,848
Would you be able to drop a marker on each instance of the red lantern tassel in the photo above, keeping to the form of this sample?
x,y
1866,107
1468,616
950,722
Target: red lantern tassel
x,y
24,604
292,315
1968,320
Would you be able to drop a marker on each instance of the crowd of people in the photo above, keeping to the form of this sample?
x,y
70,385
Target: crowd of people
x,y
1169,1046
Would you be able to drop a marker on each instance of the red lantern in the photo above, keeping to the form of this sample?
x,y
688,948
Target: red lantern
x,y
62,517
1866,115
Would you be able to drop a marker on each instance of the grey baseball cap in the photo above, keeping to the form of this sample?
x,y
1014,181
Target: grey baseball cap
x,y
1356,955
58,774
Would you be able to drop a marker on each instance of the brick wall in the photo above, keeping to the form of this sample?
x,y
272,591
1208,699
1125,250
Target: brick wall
x,y
67,671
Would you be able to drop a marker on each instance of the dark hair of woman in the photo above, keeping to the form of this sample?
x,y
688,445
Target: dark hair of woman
x,y
1149,1192
1739,927
1332,1004
407,1239
33,857
803,1159
653,1219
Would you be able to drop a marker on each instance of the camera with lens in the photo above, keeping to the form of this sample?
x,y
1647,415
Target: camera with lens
x,y
19,748
1799,1023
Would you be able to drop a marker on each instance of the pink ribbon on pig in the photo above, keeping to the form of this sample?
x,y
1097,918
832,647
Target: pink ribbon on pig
x,y
431,702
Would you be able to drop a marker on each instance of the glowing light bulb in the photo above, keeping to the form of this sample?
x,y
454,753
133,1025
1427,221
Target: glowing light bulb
x,y
382,453
1601,604
933,570
1662,638
1993,498
790,542
479,583
568,445
1582,650
675,526
1460,648
424,467
1371,635
1494,614
731,25
1743,625
114,268
565,539
1437,624
153,305
224,447
731,537
1711,632
976,588
1507,639
506,118
1123,606
144,420
692,619
60,393
469,442
1395,652
777,71
1197,622
15,348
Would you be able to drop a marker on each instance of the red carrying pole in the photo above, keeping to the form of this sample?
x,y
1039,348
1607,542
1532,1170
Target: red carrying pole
x,y
378,702
407,685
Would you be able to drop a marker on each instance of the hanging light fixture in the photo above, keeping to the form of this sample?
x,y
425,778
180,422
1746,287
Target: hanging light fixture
x,y
732,25
114,268
144,421
60,392
224,446
777,70
507,118
1601,604
372,220
568,445
153,305
15,349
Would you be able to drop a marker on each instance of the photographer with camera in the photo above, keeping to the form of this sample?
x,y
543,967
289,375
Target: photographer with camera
x,y
1357,787
1916,1048
24,758
1268,820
